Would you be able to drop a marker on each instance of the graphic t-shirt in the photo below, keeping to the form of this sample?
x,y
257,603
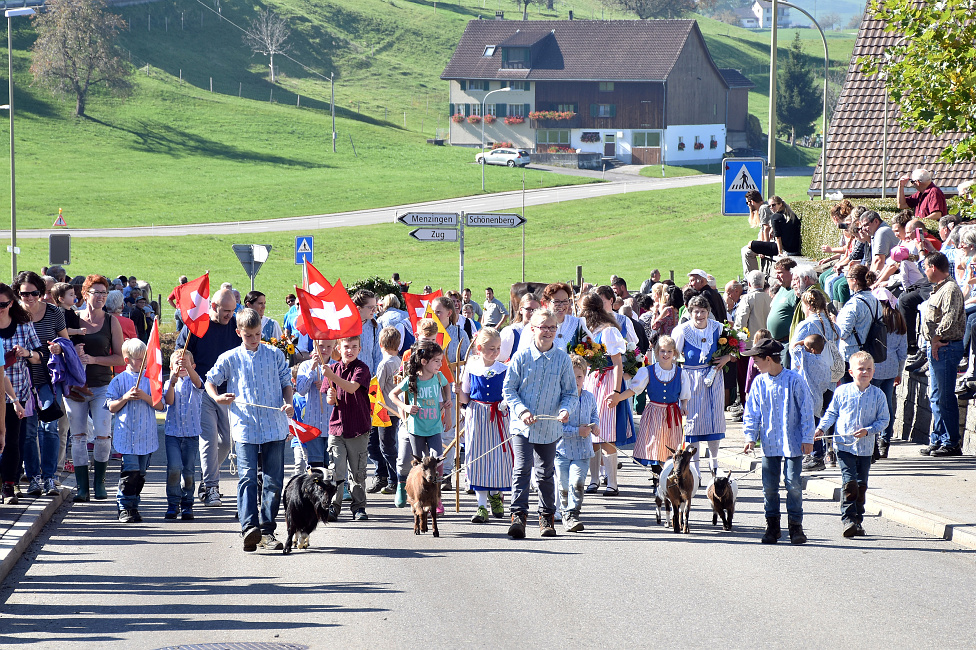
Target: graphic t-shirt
x,y
426,421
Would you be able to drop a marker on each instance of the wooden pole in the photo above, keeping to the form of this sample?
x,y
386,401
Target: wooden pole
x,y
457,434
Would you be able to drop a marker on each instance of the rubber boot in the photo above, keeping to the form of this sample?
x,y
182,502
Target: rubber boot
x,y
81,478
100,468
773,530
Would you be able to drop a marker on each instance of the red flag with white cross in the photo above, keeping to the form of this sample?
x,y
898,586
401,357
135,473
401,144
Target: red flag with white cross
x,y
330,315
193,299
154,364
417,305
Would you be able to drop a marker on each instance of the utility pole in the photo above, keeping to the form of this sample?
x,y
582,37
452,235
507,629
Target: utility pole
x,y
771,151
332,106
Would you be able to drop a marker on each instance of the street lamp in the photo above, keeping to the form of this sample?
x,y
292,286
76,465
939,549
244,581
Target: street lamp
x,y
483,145
823,144
13,13
771,140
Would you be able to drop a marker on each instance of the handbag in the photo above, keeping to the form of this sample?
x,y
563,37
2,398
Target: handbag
x,y
48,409
837,365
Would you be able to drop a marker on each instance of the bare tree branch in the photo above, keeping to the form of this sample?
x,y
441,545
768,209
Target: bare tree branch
x,y
267,35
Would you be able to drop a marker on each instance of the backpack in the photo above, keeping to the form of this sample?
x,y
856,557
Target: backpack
x,y
837,365
876,342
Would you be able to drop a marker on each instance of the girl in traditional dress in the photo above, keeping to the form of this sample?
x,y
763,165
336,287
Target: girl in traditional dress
x,y
512,335
616,422
698,341
487,457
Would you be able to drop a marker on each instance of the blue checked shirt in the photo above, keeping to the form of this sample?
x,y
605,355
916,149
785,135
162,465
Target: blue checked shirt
x,y
257,378
543,384
134,430
572,445
317,410
183,417
369,342
853,410
779,412
815,371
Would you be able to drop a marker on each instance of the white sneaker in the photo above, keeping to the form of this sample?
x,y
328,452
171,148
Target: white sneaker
x,y
212,500
271,542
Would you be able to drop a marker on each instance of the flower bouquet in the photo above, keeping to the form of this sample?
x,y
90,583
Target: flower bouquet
x,y
594,353
286,344
730,341
632,360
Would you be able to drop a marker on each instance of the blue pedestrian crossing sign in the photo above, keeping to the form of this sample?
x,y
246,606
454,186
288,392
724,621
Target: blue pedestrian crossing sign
x,y
739,175
304,249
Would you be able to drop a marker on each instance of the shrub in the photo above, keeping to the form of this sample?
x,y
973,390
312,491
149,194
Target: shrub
x,y
380,286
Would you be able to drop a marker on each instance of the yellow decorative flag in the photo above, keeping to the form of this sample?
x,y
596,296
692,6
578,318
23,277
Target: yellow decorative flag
x,y
381,417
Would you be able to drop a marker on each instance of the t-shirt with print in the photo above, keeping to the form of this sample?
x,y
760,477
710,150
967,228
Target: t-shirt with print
x,y
883,240
427,421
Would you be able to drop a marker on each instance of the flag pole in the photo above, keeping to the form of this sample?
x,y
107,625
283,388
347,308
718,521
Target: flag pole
x,y
457,436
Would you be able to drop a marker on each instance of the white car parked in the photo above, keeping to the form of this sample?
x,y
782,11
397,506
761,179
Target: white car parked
x,y
503,156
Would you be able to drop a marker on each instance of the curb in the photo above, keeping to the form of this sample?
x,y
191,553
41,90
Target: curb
x,y
26,529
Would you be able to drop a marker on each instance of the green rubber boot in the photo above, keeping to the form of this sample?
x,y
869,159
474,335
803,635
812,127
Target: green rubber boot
x,y
81,478
100,468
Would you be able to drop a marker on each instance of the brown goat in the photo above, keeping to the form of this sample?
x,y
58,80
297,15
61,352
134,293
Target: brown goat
x,y
722,493
424,492
679,485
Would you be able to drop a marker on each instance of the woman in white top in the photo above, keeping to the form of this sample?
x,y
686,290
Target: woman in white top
x,y
558,297
512,335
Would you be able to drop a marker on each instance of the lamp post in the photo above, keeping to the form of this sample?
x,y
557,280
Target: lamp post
x,y
823,144
497,90
12,13
771,140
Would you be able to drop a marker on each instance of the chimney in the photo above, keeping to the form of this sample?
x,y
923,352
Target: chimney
x,y
499,15
570,14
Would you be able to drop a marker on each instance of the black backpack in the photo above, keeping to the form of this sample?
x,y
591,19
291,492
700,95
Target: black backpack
x,y
876,342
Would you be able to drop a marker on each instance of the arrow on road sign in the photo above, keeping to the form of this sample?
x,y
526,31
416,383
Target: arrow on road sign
x,y
434,234
510,220
429,219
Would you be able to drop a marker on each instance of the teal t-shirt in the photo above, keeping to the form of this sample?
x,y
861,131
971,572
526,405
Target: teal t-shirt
x,y
427,421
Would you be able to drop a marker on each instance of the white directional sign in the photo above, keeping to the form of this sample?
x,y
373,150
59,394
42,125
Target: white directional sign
x,y
510,220
434,234
429,219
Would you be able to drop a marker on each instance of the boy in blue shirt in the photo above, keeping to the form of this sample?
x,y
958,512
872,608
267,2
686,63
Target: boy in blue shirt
x,y
860,411
183,396
134,432
574,450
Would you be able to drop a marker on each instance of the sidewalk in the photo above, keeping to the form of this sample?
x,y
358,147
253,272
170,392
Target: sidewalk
x,y
20,524
933,495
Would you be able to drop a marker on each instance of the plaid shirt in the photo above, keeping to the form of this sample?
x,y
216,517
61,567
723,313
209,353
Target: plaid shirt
x,y
19,373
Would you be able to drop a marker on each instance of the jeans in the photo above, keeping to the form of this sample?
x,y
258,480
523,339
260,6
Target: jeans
x,y
78,413
29,452
382,450
887,387
853,469
10,458
317,451
821,445
772,468
541,458
215,440
942,394
181,462
908,304
571,474
133,466
272,477
967,337
48,440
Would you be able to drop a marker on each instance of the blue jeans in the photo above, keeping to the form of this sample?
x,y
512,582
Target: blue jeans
x,y
272,474
181,461
317,450
772,469
967,336
542,459
852,469
571,475
128,493
887,387
942,394
47,442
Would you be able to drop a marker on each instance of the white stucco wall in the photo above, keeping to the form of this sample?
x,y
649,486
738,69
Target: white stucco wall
x,y
674,156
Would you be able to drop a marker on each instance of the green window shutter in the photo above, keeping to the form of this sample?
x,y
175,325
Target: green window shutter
x,y
613,110
528,85
525,110
504,54
500,110
467,110
464,84
451,109
594,110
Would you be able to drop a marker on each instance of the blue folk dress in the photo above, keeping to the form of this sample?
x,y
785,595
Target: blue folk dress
x,y
617,424
488,453
706,407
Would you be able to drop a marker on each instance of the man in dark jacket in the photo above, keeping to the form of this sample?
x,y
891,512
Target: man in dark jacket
x,y
698,279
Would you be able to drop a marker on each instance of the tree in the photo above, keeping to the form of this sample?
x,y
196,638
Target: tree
x,y
855,21
931,72
655,8
267,35
798,102
829,21
75,50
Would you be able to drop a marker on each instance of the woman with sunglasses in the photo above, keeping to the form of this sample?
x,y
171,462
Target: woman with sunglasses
x,y
41,464
99,349
20,343
512,335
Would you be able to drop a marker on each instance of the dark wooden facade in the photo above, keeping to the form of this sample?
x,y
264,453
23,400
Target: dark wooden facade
x,y
697,94
636,105
738,109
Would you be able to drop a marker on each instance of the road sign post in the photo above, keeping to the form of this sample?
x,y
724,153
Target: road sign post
x,y
252,257
739,176
304,249
59,249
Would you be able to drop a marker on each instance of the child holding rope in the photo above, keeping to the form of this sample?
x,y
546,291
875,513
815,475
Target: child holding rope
x,y
860,411
488,455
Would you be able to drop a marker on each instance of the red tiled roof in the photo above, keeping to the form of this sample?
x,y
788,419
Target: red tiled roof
x,y
856,133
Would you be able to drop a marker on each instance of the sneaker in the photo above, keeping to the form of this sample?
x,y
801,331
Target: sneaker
x,y
603,480
9,495
136,517
202,492
187,514
270,542
547,527
446,483
345,492
927,451
389,488
375,485
850,529
36,487
572,524
401,496
811,464
126,516
944,451
480,517
172,512
496,505
859,530
213,498
517,529
251,538
916,361
831,459
360,515
51,487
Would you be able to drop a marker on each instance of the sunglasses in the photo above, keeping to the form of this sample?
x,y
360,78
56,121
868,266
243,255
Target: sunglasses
x,y
34,293
5,303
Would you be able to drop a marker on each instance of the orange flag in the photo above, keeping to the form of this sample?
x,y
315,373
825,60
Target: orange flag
x,y
381,417
443,340
154,364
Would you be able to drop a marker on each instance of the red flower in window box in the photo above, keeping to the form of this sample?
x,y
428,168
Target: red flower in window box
x,y
713,144
681,146
490,119
699,145
457,118
474,119
514,119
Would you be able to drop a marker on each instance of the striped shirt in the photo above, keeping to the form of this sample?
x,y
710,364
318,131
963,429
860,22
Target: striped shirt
x,y
779,412
256,378
134,430
852,410
317,410
572,445
542,383
183,417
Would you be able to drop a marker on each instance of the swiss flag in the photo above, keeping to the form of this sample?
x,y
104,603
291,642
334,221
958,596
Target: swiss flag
x,y
315,282
154,364
417,305
193,299
304,432
330,315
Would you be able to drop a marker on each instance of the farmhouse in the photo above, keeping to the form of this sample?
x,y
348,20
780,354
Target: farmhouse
x,y
640,91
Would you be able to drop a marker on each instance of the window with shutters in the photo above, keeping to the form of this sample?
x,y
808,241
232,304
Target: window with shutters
x,y
516,110
477,84
566,108
475,109
606,110
490,109
552,136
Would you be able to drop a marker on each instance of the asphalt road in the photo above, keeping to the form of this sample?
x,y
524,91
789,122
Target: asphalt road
x,y
90,581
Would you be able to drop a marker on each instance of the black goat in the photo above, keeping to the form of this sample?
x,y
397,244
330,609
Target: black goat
x,y
307,499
